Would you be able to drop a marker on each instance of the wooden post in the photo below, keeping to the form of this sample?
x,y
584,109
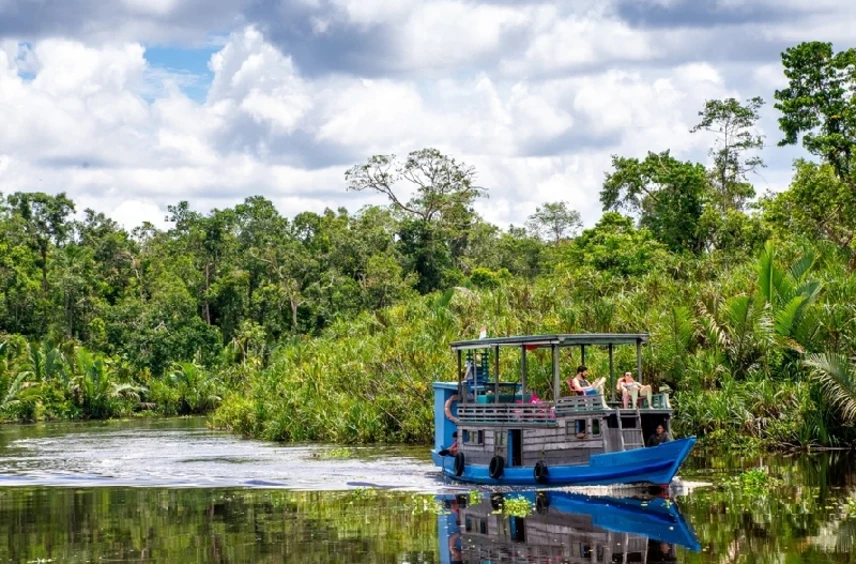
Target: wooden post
x,y
639,360
461,394
611,375
475,377
557,391
523,374
496,373
583,355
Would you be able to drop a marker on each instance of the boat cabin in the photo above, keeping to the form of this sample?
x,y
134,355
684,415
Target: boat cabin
x,y
497,415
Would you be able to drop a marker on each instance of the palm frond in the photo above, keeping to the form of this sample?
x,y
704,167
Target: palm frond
x,y
837,376
801,266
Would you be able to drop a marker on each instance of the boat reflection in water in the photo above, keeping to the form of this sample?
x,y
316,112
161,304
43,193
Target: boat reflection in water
x,y
562,527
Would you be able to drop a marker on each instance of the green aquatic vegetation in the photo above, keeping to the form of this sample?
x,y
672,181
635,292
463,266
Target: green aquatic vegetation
x,y
475,497
756,481
335,453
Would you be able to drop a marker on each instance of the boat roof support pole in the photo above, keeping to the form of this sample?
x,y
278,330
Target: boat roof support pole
x,y
496,373
611,375
583,355
461,394
639,361
556,389
523,373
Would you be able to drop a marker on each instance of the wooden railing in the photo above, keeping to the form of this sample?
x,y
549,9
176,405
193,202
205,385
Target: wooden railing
x,y
504,414
573,404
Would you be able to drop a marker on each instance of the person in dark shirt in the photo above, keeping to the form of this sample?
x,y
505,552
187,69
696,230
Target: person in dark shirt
x,y
660,437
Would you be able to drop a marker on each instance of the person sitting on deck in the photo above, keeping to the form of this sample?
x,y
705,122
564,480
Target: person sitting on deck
x,y
580,385
627,385
660,437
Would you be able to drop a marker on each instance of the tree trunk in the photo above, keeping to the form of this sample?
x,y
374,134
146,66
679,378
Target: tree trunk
x,y
207,285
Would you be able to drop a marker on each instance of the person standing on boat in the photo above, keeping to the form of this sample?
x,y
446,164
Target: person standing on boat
x,y
581,385
660,437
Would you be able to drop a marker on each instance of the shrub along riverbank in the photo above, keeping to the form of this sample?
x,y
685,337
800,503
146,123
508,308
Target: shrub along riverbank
x,y
332,326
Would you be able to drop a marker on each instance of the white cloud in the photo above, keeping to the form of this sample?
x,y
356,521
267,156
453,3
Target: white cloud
x,y
536,96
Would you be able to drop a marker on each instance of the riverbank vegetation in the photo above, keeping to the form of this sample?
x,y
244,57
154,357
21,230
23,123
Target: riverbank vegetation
x,y
332,326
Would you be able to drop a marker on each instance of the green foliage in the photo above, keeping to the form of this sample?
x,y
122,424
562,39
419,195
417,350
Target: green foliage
x,y
837,375
818,205
755,482
819,104
667,194
485,278
615,246
555,221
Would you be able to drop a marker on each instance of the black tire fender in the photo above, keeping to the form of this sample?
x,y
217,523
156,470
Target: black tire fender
x,y
496,467
460,462
542,473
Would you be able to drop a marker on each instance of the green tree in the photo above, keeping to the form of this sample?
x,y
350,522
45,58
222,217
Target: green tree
x,y
555,221
733,153
45,220
441,184
819,104
616,246
818,205
667,194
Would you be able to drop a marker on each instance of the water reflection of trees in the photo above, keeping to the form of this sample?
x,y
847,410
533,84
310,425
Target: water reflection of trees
x,y
191,525
788,520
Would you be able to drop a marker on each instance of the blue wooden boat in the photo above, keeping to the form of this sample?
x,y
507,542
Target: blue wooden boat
x,y
495,432
564,527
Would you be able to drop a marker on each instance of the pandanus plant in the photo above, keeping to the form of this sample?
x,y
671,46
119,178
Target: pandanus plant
x,y
198,389
92,387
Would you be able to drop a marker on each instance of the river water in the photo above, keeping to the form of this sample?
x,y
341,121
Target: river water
x,y
174,491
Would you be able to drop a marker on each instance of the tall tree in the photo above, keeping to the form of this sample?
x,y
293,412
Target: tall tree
x,y
667,194
555,220
819,104
733,153
442,185
46,220
433,234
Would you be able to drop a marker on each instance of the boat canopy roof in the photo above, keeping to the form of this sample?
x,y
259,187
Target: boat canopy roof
x,y
537,341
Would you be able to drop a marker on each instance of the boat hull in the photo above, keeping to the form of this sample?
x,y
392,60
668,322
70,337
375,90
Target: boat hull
x,y
654,465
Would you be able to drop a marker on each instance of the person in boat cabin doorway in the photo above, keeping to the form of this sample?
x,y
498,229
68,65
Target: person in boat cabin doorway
x,y
660,437
627,385
581,385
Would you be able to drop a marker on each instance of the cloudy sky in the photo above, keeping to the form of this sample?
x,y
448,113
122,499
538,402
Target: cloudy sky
x,y
131,105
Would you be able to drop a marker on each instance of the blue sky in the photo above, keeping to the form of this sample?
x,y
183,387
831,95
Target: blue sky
x,y
189,61
131,105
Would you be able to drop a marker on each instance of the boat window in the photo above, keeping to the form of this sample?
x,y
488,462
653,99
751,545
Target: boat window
x,y
473,437
628,422
612,422
595,426
578,428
